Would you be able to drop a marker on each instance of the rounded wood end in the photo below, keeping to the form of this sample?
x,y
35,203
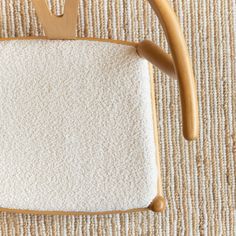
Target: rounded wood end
x,y
158,204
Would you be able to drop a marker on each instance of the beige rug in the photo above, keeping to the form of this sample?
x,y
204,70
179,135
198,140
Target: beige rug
x,y
199,178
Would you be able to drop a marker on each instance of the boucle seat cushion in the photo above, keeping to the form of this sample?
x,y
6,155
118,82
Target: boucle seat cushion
x,y
76,129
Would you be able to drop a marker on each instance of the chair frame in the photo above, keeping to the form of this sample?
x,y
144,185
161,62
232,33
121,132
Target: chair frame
x,y
176,65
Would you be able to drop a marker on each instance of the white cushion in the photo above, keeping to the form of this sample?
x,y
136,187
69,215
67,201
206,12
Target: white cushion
x,y
76,129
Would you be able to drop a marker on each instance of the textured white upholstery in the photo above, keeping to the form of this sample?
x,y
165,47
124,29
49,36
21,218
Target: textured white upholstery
x,y
76,130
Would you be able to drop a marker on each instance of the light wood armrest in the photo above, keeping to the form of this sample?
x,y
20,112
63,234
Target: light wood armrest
x,y
180,67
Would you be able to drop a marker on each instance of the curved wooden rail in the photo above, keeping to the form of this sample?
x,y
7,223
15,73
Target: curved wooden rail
x,y
182,66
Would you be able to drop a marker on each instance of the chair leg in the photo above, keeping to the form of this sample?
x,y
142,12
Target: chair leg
x,y
158,204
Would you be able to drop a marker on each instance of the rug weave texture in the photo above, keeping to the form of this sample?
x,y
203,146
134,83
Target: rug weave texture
x,y
198,177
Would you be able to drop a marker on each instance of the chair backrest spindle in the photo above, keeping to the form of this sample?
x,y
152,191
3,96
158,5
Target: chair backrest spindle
x,y
58,27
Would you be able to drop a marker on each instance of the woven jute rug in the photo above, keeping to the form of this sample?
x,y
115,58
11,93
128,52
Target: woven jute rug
x,y
199,178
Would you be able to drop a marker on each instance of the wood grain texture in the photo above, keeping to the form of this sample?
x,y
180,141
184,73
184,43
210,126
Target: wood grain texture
x,y
198,177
